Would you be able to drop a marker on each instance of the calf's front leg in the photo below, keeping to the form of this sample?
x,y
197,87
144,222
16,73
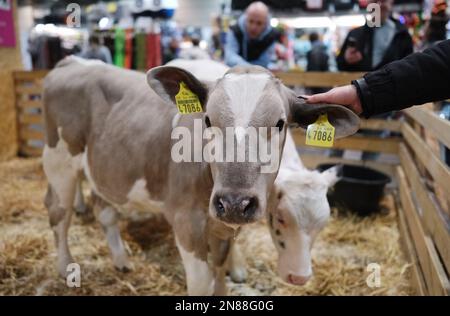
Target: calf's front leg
x,y
219,252
237,264
191,241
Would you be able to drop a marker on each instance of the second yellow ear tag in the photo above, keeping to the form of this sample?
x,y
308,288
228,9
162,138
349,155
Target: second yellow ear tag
x,y
187,101
320,133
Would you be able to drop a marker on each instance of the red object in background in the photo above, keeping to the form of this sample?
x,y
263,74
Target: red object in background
x,y
363,3
7,32
153,50
128,49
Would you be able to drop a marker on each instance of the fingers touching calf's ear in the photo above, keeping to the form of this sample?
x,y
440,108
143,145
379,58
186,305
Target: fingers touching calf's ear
x,y
345,121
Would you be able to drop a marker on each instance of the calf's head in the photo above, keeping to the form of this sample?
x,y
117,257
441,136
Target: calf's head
x,y
300,210
246,113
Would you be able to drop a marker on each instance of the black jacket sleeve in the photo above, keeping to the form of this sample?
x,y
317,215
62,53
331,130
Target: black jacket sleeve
x,y
416,79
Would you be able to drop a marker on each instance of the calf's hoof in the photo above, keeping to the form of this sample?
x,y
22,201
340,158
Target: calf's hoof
x,y
238,275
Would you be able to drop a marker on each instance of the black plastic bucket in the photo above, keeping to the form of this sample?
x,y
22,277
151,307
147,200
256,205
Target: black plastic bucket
x,y
360,189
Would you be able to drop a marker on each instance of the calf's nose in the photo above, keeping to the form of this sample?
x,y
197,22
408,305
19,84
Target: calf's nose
x,y
235,208
298,279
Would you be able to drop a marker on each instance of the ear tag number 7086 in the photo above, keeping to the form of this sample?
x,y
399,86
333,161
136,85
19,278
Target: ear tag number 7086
x,y
320,133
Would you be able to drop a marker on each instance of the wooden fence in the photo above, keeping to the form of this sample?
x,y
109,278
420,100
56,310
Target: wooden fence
x,y
28,92
423,179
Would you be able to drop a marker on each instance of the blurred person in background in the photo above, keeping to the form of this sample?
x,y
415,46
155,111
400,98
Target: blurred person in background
x,y
368,48
435,28
171,50
97,51
252,39
317,58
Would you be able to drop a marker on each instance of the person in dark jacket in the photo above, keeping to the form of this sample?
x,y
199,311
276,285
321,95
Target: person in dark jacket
x,y
435,29
317,59
368,48
252,39
417,79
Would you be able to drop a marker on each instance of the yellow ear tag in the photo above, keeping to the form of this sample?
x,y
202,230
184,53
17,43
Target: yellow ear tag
x,y
320,133
187,101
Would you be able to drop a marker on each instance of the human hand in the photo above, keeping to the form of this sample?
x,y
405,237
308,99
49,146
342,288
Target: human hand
x,y
352,55
345,95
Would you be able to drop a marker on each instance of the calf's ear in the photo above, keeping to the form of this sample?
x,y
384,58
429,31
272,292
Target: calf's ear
x,y
166,80
344,120
332,175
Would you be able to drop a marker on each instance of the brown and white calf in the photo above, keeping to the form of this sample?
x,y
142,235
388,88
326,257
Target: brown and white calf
x,y
299,209
107,123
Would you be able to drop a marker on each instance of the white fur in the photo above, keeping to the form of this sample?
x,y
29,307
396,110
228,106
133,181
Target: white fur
x,y
202,69
240,133
59,165
296,258
87,62
61,169
108,217
304,205
244,91
87,171
139,198
176,119
199,276
290,160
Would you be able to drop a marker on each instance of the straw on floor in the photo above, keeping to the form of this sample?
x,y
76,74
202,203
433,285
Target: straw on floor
x,y
27,253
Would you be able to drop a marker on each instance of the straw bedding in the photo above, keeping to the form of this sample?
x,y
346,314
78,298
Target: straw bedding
x,y
27,253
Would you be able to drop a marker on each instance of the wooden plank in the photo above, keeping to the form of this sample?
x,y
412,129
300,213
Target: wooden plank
x,y
356,142
29,104
317,79
30,75
435,224
438,170
434,273
432,123
312,161
419,131
417,279
28,134
31,118
30,151
376,124
34,89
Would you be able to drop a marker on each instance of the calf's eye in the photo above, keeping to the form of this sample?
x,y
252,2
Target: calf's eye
x,y
280,125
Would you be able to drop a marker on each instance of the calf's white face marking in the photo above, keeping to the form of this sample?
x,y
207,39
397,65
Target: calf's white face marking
x,y
244,92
